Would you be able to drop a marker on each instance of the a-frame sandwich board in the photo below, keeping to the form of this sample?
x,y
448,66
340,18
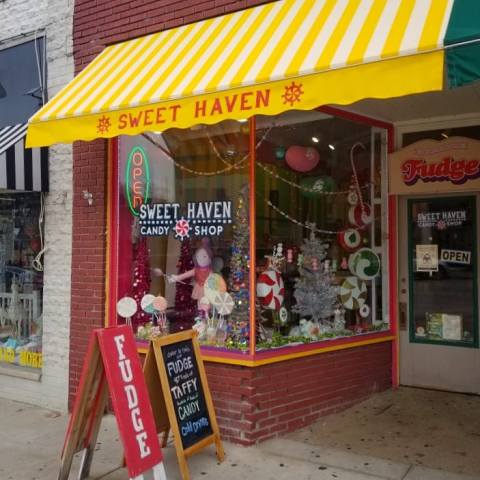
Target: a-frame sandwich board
x,y
112,366
180,397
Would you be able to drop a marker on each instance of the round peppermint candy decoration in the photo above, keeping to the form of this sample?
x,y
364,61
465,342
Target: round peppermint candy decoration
x,y
223,303
147,303
182,229
214,284
353,293
352,197
126,307
359,217
364,310
349,239
270,289
364,264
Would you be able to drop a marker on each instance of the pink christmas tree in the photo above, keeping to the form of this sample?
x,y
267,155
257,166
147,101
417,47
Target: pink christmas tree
x,y
185,305
141,281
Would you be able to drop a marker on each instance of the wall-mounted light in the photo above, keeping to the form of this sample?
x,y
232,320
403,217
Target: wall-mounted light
x,y
331,146
315,139
243,120
444,134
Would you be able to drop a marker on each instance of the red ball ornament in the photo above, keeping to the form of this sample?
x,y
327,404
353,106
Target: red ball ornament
x,y
302,159
35,245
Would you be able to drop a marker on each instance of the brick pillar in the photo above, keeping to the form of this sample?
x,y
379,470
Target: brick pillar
x,y
88,251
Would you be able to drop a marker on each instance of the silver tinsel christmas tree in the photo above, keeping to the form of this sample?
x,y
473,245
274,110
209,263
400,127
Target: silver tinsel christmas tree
x,y
314,292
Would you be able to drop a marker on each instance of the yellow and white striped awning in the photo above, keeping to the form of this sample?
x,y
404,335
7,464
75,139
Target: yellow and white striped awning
x,y
288,54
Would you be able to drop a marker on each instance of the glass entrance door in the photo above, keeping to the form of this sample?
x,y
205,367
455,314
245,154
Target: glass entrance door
x,y
437,264
442,271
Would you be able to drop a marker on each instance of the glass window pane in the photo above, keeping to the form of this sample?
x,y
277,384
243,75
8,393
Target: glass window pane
x,y
442,270
21,285
183,232
319,238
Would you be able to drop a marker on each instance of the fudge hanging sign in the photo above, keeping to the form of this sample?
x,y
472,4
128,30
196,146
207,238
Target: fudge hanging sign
x,y
193,219
431,166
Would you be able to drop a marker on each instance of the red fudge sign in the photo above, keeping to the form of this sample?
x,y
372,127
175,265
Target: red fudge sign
x,y
130,399
431,166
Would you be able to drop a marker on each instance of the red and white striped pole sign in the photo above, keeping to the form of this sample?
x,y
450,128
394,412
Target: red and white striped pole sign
x,y
112,366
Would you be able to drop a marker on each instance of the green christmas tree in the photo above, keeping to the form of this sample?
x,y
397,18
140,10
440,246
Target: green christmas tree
x,y
240,259
314,292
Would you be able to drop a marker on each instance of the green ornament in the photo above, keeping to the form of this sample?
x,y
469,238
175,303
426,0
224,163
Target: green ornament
x,y
280,153
315,186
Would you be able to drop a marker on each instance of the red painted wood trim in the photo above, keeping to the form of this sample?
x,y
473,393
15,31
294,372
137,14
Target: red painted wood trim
x,y
112,242
253,238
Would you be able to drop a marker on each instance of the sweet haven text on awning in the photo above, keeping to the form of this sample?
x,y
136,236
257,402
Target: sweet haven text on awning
x,y
289,54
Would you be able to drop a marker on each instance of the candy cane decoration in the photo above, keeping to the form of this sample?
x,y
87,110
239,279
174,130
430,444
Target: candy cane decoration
x,y
355,177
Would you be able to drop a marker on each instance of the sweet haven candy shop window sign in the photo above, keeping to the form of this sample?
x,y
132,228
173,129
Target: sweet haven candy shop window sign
x,y
196,218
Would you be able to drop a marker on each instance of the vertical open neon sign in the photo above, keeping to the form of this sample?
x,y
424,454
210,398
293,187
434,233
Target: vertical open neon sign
x,y
137,179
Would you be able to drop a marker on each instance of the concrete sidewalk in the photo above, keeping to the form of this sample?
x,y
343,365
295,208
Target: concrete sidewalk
x,y
31,441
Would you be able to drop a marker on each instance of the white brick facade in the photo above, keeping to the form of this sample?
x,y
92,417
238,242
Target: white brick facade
x,y
53,18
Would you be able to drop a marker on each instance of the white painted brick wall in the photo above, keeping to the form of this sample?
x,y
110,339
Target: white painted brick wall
x,y
55,18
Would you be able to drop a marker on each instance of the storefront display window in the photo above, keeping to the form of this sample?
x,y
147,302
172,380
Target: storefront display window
x,y
443,286
319,221
21,280
187,221
183,230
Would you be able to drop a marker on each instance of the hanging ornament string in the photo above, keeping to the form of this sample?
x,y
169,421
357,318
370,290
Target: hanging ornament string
x,y
183,167
245,157
307,225
230,166
355,176
301,187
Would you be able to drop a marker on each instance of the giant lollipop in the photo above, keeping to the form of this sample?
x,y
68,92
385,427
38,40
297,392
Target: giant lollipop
x,y
270,289
126,308
353,293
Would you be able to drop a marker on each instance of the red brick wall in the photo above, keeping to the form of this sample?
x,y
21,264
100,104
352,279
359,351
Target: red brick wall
x,y
97,24
254,404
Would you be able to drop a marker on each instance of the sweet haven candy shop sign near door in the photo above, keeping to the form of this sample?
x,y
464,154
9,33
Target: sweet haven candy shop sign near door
x,y
431,166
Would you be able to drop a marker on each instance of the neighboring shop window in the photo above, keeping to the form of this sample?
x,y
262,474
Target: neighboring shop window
x,y
21,285
183,252
443,273
320,229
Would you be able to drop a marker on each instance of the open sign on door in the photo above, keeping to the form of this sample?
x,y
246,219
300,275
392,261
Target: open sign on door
x,y
456,256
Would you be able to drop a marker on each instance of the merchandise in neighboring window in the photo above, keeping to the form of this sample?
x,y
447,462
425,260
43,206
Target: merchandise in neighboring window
x,y
319,228
183,250
21,284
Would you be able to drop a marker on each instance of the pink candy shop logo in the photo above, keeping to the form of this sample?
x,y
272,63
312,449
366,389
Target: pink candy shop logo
x,y
448,169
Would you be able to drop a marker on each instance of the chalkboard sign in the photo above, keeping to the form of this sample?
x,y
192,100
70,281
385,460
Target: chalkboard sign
x,y
174,366
187,392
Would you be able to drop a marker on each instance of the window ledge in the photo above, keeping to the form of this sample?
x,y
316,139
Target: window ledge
x,y
20,372
280,354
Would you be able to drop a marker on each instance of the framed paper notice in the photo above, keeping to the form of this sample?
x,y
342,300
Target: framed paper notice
x,y
427,258
452,327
